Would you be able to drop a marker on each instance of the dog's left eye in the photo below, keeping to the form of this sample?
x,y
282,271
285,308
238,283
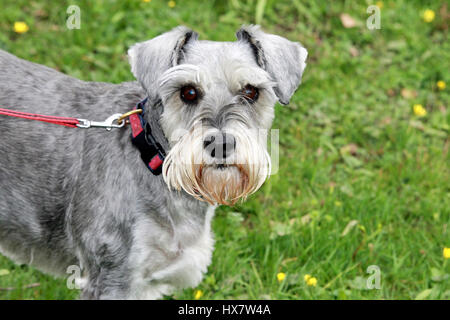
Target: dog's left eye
x,y
250,93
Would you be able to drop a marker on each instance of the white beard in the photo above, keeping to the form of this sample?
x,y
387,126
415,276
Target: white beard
x,y
225,182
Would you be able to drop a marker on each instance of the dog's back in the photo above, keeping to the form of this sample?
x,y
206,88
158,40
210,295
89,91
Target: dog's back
x,y
40,162
33,194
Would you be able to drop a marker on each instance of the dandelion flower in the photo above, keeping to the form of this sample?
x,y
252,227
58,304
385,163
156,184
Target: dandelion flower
x,y
331,189
281,276
312,282
198,294
4,272
446,253
307,277
20,27
380,4
440,84
171,4
428,15
419,110
146,0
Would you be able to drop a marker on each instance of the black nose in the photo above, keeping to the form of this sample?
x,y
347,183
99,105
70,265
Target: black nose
x,y
220,145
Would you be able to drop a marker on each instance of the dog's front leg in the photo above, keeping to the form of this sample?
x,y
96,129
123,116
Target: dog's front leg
x,y
107,276
105,284
104,256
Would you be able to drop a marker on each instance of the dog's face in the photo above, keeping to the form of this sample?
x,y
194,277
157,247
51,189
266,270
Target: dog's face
x,y
218,105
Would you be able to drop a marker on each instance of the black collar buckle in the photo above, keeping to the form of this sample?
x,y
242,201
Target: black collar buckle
x,y
152,153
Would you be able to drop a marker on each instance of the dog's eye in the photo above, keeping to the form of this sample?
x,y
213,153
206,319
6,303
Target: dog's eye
x,y
188,94
250,93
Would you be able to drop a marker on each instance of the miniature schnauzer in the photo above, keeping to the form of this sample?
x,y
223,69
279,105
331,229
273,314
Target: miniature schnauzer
x,y
85,198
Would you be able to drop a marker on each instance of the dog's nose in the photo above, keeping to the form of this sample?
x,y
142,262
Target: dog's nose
x,y
220,145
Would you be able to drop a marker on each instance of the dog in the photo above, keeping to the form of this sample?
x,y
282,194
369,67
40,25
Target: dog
x,y
73,197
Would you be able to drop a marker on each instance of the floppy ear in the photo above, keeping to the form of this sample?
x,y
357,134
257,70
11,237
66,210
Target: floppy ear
x,y
284,60
151,58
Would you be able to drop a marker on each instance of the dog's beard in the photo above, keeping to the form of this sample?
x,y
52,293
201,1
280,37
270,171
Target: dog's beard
x,y
225,182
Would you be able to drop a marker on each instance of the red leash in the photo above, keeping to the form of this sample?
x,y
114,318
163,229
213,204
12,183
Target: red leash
x,y
151,151
116,120
64,121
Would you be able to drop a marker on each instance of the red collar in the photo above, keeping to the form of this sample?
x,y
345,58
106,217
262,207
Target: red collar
x,y
152,153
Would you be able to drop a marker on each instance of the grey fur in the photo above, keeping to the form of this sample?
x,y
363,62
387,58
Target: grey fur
x,y
76,197
278,56
151,58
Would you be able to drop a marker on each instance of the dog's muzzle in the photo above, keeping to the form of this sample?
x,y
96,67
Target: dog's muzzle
x,y
219,167
220,146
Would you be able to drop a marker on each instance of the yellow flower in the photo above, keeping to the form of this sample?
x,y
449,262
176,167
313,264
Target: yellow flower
x,y
419,110
198,294
428,15
312,282
307,277
281,276
440,84
20,27
446,253
380,4
146,0
171,4
331,189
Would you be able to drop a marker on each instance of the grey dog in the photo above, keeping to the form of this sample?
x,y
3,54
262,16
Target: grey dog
x,y
83,197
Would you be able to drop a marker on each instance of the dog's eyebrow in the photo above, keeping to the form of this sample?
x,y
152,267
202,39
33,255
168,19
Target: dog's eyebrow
x,y
243,75
183,72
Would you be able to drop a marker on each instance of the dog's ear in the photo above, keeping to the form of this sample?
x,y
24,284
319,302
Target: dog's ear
x,y
151,58
284,60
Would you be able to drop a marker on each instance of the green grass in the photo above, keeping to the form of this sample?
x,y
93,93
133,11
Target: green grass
x,y
351,146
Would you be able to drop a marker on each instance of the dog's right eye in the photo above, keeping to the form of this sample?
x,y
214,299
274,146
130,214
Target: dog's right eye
x,y
188,94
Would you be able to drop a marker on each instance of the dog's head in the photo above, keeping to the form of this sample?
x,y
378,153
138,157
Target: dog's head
x,y
218,104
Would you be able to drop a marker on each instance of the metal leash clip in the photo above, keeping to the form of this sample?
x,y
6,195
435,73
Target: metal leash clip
x,y
108,124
